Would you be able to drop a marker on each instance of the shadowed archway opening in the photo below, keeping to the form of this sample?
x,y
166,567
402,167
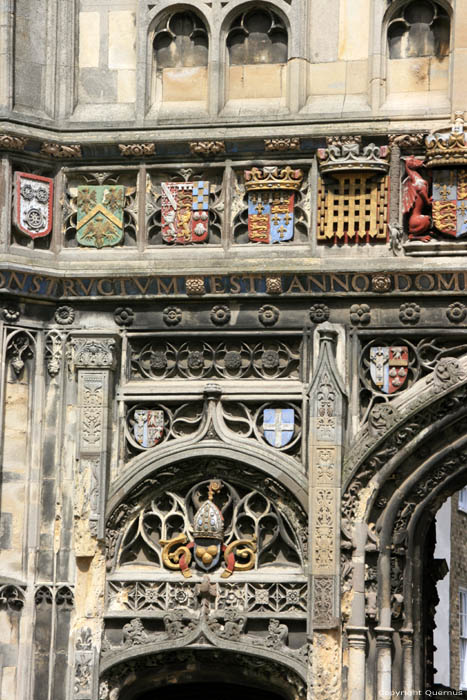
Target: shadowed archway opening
x,y
206,690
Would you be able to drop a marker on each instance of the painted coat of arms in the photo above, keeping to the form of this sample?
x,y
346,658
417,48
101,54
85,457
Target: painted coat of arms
x,y
450,201
389,367
99,221
271,201
33,204
185,212
278,425
148,427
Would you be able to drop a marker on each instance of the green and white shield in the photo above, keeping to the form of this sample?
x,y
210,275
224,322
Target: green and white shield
x,y
100,215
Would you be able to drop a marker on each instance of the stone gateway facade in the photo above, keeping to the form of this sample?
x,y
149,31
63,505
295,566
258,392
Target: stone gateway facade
x,y
234,352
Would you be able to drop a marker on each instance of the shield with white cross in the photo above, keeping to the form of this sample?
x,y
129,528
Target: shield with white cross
x,y
278,425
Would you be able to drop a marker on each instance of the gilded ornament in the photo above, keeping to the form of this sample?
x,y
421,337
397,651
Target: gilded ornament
x,y
207,148
282,144
195,286
447,146
57,150
380,282
207,546
9,142
274,284
346,154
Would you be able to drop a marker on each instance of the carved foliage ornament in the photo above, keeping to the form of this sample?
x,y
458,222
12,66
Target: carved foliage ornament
x,y
207,148
57,150
282,144
12,143
94,352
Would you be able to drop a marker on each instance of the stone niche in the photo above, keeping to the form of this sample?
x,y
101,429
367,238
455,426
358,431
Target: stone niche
x,y
257,46
180,62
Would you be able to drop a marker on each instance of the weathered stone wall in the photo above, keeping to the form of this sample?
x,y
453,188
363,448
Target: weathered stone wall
x,y
458,579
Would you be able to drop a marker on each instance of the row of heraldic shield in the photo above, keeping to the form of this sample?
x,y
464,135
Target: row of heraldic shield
x,y
278,426
184,212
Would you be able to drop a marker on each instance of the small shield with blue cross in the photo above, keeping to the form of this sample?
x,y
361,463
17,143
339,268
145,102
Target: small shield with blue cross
x,y
278,425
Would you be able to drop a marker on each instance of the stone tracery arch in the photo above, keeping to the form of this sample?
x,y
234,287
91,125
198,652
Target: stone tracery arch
x,y
410,457
259,615
156,669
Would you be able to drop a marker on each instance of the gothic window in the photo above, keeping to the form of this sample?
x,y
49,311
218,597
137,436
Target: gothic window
x,y
180,60
257,36
257,56
181,40
421,28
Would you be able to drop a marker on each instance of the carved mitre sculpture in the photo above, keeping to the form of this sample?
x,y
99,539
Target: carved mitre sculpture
x,y
207,545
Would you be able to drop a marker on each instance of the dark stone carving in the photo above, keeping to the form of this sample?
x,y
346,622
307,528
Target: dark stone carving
x,y
268,315
124,316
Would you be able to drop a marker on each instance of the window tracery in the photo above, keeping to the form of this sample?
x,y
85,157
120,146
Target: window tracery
x,y
420,28
180,40
257,36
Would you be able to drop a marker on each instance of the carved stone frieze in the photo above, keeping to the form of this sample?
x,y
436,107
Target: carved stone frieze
x,y
140,597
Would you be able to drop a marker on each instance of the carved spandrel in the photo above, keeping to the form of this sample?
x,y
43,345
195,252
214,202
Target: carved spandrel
x,y
93,353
